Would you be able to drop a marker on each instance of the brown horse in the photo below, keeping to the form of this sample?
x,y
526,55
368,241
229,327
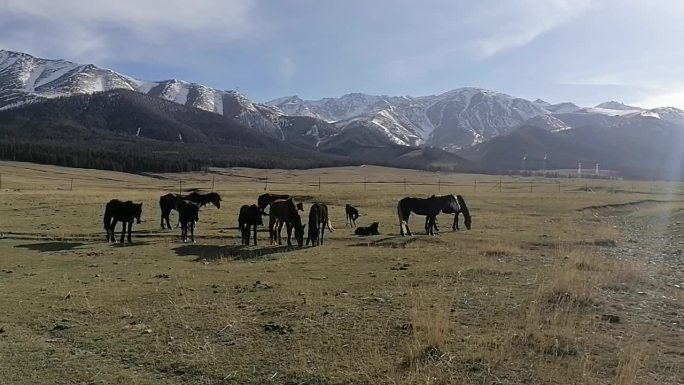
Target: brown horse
x,y
285,212
352,215
429,207
248,220
318,221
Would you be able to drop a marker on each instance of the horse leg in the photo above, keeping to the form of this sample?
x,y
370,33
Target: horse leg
x,y
130,230
279,230
192,231
255,234
322,232
289,233
454,227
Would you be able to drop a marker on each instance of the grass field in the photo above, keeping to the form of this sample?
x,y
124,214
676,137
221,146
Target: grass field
x,y
581,286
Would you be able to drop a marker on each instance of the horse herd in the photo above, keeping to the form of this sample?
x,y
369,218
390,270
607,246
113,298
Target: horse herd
x,y
283,211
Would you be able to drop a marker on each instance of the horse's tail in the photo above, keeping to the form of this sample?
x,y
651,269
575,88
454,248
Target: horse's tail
x,y
330,226
401,217
107,217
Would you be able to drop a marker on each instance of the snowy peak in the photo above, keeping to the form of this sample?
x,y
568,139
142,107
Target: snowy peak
x,y
613,105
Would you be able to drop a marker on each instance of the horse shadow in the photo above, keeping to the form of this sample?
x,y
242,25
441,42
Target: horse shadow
x,y
216,252
46,247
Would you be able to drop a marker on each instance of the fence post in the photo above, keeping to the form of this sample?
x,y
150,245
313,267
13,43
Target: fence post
x,y
180,186
365,183
559,187
404,184
71,185
531,186
439,185
319,183
475,185
266,185
499,185
213,180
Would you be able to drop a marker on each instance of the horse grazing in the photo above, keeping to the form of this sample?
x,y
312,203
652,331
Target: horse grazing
x,y
429,207
124,212
462,209
188,214
250,217
370,230
285,212
318,221
352,215
168,202
266,199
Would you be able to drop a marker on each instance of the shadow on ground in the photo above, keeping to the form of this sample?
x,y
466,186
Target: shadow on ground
x,y
214,252
45,247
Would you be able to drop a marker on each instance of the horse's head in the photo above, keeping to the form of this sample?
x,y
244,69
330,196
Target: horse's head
x,y
299,233
468,221
300,206
137,211
258,214
215,199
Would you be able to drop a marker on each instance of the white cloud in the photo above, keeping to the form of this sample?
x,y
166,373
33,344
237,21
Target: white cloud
x,y
518,23
664,99
96,30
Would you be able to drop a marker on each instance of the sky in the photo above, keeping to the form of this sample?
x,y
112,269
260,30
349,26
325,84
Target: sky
x,y
582,51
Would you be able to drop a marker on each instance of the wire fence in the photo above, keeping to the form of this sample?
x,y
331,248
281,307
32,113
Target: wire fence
x,y
226,182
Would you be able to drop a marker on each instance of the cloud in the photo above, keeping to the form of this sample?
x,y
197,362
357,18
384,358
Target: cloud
x,y
663,99
98,30
518,23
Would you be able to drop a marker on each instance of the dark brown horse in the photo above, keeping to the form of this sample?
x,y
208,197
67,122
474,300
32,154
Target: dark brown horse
x,y
370,230
125,212
188,215
429,207
352,215
318,221
285,212
249,218
169,202
265,199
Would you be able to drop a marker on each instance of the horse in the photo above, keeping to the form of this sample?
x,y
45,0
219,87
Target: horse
x,y
250,216
188,214
318,221
265,199
125,212
370,230
352,215
169,202
462,208
284,211
429,207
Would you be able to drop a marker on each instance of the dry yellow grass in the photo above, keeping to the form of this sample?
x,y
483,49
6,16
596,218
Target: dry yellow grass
x,y
526,296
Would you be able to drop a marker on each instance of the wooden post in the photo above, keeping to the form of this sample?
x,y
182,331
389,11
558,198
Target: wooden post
x,y
559,187
71,185
213,182
439,185
499,185
365,182
180,186
266,185
475,185
319,183
404,184
531,186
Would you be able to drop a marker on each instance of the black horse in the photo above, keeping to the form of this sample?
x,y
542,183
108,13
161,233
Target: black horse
x,y
188,215
352,215
370,230
169,202
462,209
285,212
318,221
125,212
265,200
250,217
429,207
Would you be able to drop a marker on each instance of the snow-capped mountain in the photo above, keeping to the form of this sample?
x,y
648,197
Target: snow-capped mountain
x,y
454,119
25,79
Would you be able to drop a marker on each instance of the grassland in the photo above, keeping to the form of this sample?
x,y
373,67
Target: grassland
x,y
582,286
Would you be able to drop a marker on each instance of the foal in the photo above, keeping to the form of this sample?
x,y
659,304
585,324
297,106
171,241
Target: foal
x,y
318,221
250,217
125,212
352,215
188,214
